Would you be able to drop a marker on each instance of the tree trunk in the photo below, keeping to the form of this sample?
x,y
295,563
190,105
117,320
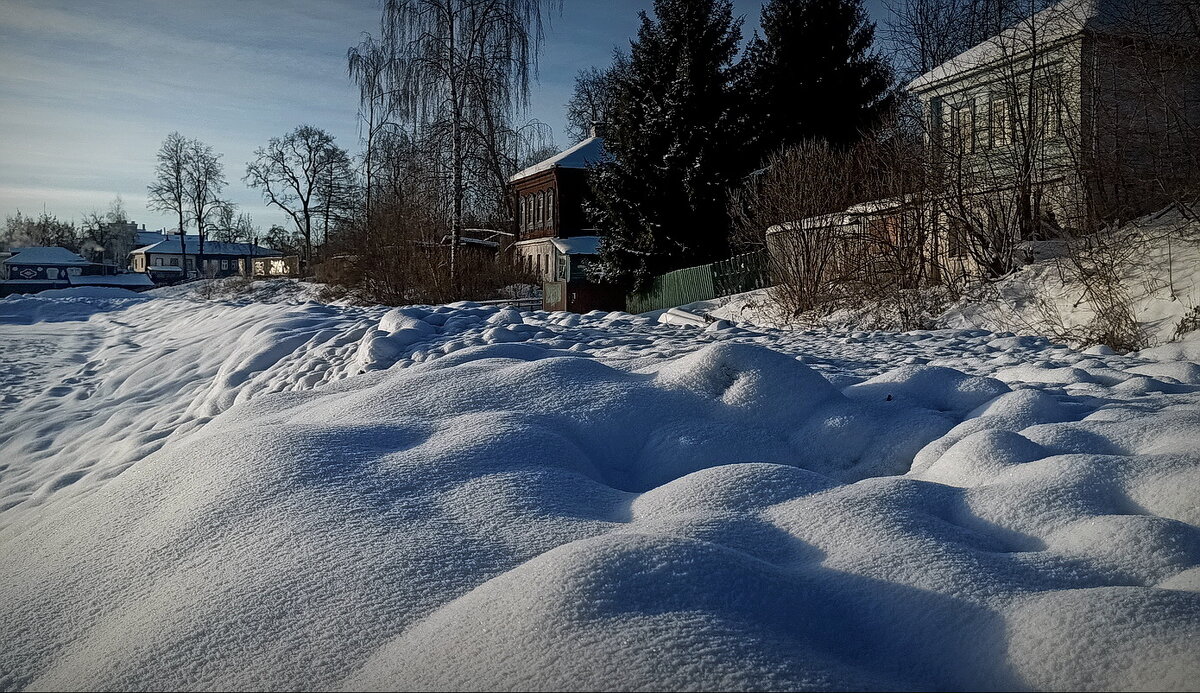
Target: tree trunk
x,y
456,156
307,240
200,252
182,245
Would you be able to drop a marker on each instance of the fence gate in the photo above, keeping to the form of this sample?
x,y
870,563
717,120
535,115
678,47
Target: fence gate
x,y
740,273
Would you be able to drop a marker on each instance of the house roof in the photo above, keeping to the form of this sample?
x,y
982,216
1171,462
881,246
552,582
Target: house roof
x,y
192,244
467,240
577,245
588,152
129,279
45,256
851,215
1060,21
144,238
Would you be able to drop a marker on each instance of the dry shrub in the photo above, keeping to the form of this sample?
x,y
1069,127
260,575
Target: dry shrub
x,y
843,228
401,259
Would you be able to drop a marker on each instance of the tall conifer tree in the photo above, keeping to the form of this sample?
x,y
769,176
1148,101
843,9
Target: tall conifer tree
x,y
812,75
660,201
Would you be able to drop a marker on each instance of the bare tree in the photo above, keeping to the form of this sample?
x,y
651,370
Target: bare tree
x,y
168,191
107,234
295,173
456,63
204,179
593,98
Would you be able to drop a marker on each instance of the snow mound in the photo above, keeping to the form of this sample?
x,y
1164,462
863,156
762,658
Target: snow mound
x,y
250,496
61,305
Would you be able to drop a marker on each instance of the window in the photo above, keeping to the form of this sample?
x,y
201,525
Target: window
x,y
174,262
224,264
52,273
1048,106
1002,123
541,209
521,217
158,262
538,264
550,207
963,127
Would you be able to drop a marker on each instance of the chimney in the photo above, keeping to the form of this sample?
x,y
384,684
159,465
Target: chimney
x,y
598,128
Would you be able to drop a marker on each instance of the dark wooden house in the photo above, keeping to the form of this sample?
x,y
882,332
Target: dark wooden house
x,y
549,201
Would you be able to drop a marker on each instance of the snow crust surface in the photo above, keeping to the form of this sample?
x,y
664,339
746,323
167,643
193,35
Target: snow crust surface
x,y
246,495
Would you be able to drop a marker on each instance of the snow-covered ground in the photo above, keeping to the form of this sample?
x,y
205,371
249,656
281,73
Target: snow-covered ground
x,y
287,494
1147,271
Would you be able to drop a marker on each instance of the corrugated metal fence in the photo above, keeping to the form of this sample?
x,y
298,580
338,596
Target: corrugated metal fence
x,y
735,275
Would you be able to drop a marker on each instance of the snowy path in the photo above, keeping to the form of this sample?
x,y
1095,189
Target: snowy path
x,y
306,496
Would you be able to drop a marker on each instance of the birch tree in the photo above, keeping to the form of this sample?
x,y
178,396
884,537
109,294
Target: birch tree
x,y
460,68
367,65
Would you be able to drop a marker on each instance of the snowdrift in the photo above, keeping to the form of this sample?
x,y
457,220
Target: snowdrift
x,y
256,496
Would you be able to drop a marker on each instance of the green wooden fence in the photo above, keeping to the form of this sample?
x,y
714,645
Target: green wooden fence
x,y
703,283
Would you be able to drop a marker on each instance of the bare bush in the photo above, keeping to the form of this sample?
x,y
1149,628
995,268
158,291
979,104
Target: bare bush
x,y
843,227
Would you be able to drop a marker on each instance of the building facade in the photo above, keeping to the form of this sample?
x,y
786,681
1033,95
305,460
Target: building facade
x,y
1085,113
554,238
177,258
549,200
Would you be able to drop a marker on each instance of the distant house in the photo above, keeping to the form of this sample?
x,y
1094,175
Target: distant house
x,y
554,238
550,198
176,258
30,270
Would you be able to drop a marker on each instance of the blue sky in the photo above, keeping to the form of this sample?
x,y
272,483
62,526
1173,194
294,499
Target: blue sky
x,y
89,88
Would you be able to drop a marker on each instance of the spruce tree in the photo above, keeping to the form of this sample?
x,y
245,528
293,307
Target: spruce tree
x,y
812,75
659,202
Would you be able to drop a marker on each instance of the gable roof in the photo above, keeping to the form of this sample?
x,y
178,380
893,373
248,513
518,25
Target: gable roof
x,y
578,245
52,255
1063,20
192,247
588,152
144,238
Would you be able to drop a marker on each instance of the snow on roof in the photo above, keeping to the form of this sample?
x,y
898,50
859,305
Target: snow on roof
x,y
45,256
144,238
171,246
467,240
128,279
588,152
578,245
1060,21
